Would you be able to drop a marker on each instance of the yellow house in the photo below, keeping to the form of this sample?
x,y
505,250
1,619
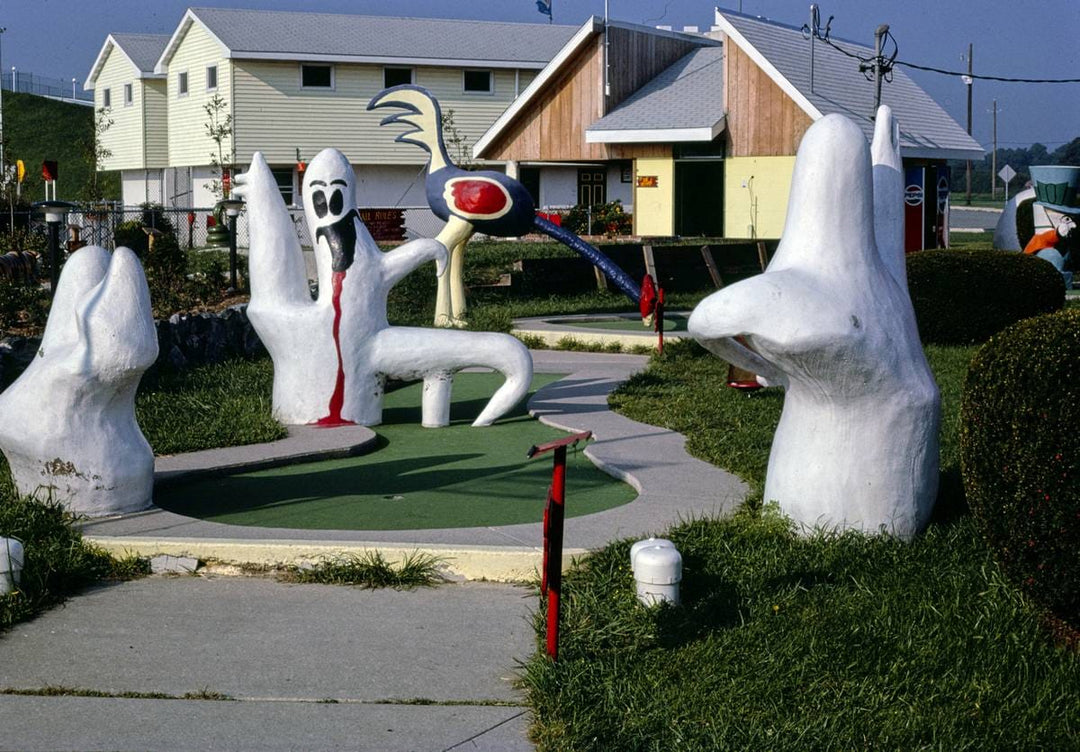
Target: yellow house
x,y
129,93
696,133
290,84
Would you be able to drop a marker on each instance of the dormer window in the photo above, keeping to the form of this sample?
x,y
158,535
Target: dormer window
x,y
316,76
477,82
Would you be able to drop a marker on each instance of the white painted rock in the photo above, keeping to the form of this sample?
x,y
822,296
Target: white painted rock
x,y
831,321
332,355
67,425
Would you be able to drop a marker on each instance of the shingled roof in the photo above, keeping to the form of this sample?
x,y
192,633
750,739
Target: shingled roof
x,y
281,35
684,103
143,50
926,130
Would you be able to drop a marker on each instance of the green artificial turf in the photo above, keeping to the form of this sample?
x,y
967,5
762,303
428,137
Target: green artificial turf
x,y
418,478
675,323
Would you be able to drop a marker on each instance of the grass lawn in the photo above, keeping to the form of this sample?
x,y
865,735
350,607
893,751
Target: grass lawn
x,y
833,642
458,476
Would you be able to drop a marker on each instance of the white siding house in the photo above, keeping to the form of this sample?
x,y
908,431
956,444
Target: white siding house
x,y
296,83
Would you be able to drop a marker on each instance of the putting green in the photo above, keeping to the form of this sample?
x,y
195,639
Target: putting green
x,y
674,323
418,478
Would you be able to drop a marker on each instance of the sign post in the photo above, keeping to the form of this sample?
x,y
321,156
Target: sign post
x,y
554,512
1006,174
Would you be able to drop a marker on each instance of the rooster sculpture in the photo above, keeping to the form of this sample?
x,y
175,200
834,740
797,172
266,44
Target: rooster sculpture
x,y
484,201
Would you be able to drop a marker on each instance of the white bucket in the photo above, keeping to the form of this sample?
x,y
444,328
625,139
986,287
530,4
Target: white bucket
x,y
11,564
658,572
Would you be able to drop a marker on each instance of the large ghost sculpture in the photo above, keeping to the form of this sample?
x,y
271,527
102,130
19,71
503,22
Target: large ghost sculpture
x,y
831,321
332,355
67,425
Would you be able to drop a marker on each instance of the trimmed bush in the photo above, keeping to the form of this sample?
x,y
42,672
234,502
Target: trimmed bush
x,y
965,297
1020,456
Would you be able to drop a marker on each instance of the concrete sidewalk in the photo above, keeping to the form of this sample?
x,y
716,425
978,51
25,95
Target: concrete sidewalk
x,y
304,667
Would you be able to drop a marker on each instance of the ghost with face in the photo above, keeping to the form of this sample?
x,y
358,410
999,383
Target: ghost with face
x,y
831,322
332,355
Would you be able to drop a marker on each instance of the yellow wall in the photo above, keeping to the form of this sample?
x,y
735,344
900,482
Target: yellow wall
x,y
124,138
275,116
654,208
189,143
155,121
759,209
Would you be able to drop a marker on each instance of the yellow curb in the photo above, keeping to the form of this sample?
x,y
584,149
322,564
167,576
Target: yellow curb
x,y
490,563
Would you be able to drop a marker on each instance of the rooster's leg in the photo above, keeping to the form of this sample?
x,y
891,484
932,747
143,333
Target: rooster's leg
x,y
457,285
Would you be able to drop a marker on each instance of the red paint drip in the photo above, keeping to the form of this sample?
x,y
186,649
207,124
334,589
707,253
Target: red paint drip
x,y
337,399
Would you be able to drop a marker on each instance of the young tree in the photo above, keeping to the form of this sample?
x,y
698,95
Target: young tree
x,y
95,152
219,129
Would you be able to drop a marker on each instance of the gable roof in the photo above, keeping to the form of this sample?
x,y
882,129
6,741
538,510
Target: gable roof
x,y
284,35
141,50
684,103
926,130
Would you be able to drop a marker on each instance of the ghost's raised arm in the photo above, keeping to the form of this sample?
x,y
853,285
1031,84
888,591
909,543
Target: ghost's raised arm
x,y
275,262
400,261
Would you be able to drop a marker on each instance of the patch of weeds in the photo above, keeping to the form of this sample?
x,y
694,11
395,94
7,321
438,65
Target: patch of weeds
x,y
532,341
369,570
57,690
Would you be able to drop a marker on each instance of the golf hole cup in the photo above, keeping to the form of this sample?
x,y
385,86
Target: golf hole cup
x,y
11,564
657,568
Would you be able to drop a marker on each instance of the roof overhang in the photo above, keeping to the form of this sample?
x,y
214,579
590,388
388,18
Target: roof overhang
x,y
99,63
655,135
384,60
591,26
930,152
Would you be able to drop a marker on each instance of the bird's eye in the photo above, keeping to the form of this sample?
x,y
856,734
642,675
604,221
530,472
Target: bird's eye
x,y
319,200
336,202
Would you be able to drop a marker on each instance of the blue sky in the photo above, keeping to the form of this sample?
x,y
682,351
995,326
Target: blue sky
x,y
1030,39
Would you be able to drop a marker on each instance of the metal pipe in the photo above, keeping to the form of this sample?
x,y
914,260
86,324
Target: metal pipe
x,y
879,39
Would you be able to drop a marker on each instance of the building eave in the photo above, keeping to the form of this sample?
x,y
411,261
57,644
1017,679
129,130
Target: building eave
x,y
703,134
190,17
297,57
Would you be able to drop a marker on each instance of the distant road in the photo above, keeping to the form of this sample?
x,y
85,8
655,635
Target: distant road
x,y
971,218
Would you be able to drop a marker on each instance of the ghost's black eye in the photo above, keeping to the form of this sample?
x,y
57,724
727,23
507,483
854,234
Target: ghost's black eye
x,y
319,200
336,202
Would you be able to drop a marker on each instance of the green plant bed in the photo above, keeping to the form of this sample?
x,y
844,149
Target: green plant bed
x,y
418,478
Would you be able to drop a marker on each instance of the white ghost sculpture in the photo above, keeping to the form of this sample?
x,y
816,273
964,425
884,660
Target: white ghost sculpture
x,y
831,321
331,356
67,424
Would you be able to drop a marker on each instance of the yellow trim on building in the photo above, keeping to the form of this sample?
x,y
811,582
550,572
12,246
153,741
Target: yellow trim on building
x,y
654,196
756,196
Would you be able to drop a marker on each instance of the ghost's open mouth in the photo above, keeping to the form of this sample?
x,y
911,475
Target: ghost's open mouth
x,y
341,237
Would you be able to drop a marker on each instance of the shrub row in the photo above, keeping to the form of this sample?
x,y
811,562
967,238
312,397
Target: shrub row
x,y
965,297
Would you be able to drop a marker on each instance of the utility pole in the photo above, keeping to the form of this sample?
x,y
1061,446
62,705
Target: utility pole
x,y
993,159
970,80
879,38
2,30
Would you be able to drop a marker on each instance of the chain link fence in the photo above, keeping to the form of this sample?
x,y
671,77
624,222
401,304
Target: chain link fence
x,y
45,86
96,224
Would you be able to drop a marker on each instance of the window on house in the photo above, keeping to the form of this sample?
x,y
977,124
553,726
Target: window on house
x,y
211,77
181,85
129,95
396,76
477,81
106,98
283,176
316,76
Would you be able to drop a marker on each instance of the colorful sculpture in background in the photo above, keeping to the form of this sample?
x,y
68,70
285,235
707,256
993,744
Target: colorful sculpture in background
x,y
1054,199
332,355
831,321
482,201
67,424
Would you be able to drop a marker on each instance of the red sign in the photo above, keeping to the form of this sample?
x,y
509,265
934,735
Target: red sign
x,y
384,224
49,170
648,181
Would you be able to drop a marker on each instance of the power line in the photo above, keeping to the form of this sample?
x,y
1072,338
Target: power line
x,y
1004,79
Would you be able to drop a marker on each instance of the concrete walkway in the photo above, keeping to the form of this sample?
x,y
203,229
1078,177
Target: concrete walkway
x,y
671,485
240,663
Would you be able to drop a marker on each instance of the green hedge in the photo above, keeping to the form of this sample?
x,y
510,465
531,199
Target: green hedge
x,y
965,297
1020,455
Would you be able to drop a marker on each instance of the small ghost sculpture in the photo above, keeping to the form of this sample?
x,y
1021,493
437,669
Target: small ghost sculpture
x,y
332,355
831,321
67,424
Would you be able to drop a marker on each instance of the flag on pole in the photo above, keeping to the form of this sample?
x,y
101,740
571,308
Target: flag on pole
x,y
544,6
